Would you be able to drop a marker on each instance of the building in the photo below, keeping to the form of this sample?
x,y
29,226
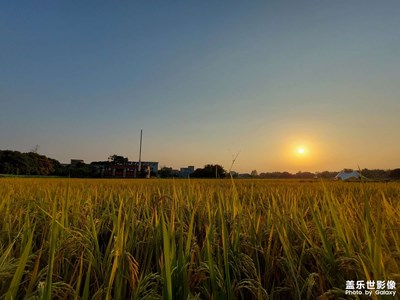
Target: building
x,y
152,164
186,172
347,175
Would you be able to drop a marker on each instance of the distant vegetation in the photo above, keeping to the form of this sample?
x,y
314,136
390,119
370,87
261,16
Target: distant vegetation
x,y
17,163
209,171
34,164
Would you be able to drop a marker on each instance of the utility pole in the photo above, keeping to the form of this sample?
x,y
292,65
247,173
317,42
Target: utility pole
x,y
140,152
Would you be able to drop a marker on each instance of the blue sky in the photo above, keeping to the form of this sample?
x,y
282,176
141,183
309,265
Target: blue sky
x,y
205,80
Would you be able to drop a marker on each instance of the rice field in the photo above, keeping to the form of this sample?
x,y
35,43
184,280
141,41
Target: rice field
x,y
195,239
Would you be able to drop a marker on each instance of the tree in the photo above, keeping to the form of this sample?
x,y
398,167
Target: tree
x,y
15,162
165,172
254,173
395,174
375,174
326,174
286,175
118,159
304,175
209,171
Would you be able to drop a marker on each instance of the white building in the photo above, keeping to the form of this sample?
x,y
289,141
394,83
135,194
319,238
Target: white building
x,y
347,175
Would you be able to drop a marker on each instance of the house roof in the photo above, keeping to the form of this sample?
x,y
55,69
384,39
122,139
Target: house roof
x,y
347,175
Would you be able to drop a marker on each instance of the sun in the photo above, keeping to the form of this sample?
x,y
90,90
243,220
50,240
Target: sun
x,y
301,151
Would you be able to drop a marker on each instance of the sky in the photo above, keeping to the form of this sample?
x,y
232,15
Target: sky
x,y
206,81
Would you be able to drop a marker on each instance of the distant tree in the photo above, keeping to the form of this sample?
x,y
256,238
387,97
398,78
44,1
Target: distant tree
x,y
375,174
304,175
58,168
244,176
166,172
45,165
264,175
327,174
286,175
254,173
104,163
395,174
209,171
15,162
79,170
118,159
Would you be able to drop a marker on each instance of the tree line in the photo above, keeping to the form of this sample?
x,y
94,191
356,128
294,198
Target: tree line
x,y
33,163
209,171
375,174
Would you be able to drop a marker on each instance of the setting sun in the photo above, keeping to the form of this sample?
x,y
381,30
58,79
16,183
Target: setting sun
x,y
301,151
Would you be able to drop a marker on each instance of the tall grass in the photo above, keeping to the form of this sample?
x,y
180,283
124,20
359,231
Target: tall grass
x,y
197,239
